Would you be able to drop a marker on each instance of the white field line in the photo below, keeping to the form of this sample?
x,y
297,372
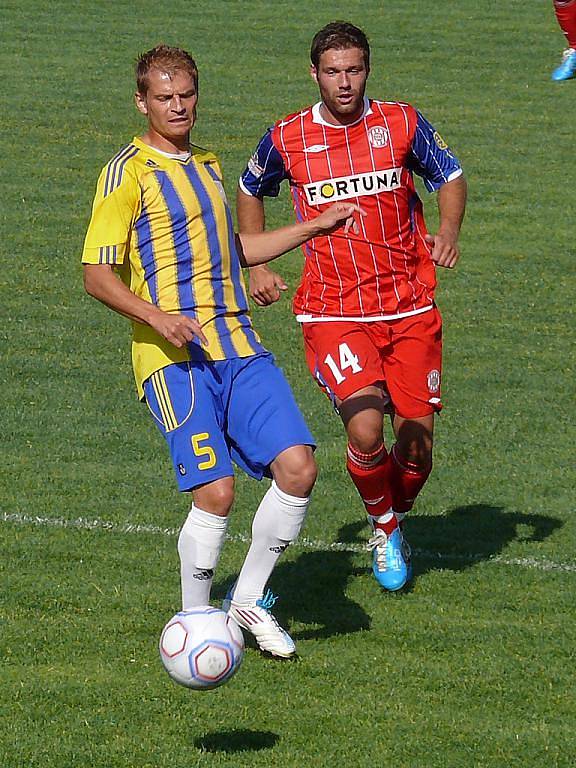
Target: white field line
x,y
85,524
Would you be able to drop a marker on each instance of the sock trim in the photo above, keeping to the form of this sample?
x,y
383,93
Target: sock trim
x,y
365,460
286,498
208,519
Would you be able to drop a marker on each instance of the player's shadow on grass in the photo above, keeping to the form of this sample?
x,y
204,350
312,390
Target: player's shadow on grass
x,y
468,535
313,590
313,587
237,740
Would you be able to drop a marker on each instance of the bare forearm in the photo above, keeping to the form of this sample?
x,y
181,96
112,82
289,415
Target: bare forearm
x,y
451,206
101,283
256,245
262,247
250,211
264,284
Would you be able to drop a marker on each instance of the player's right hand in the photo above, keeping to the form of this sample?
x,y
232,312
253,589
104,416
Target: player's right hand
x,y
265,285
177,329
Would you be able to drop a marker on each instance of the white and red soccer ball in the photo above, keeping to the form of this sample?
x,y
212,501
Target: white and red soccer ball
x,y
201,648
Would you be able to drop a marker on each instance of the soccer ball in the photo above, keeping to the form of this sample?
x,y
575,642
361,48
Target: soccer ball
x,y
201,648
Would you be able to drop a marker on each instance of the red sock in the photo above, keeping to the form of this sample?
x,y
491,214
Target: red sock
x,y
368,472
406,481
566,15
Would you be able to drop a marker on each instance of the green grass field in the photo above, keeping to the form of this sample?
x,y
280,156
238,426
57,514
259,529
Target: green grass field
x,y
474,665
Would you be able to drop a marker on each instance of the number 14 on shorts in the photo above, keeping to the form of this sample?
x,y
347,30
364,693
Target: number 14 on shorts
x,y
347,360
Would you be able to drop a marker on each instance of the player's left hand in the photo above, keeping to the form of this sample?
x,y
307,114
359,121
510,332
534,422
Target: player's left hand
x,y
445,250
340,214
265,285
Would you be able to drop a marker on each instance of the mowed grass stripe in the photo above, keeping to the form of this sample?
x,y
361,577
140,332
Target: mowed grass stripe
x,y
96,524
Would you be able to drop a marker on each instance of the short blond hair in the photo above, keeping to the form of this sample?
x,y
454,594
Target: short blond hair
x,y
165,58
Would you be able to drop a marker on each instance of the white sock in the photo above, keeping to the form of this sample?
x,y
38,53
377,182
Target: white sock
x,y
277,522
199,544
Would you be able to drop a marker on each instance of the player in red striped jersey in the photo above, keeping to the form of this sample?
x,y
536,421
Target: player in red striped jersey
x,y
372,332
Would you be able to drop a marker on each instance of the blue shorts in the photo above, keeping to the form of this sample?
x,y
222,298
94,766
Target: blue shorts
x,y
213,413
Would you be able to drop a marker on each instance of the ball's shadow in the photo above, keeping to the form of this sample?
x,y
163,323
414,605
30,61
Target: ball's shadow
x,y
237,740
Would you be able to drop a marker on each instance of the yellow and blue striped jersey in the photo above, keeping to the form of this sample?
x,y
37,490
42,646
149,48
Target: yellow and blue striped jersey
x,y
165,225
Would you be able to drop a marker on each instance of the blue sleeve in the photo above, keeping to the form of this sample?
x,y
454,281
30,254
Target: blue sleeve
x,y
265,170
431,157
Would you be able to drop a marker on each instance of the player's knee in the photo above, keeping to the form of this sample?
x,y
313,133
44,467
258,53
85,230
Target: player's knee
x,y
365,437
365,433
216,497
365,443
295,471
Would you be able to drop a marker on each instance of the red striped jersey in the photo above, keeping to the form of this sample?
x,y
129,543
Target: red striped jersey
x,y
386,270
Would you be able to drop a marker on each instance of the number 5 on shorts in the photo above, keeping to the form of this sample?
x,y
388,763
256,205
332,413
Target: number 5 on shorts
x,y
347,360
203,451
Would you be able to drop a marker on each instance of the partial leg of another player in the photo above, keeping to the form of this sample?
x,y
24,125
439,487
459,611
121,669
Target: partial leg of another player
x,y
388,483
371,467
566,15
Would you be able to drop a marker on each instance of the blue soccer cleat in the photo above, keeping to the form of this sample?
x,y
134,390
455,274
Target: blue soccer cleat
x,y
391,562
567,68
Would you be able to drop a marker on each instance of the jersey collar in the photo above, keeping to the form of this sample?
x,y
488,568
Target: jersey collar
x,y
317,117
154,151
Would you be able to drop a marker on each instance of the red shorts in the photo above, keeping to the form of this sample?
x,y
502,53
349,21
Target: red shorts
x,y
405,355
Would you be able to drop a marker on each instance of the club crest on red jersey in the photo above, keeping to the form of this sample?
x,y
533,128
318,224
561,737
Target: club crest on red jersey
x,y
434,380
378,137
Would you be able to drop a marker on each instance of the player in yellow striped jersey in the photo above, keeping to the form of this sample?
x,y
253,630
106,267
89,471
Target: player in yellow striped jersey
x,y
161,222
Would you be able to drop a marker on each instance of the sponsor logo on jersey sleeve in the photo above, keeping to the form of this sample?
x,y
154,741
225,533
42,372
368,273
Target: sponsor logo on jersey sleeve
x,y
440,143
254,167
357,185
378,137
